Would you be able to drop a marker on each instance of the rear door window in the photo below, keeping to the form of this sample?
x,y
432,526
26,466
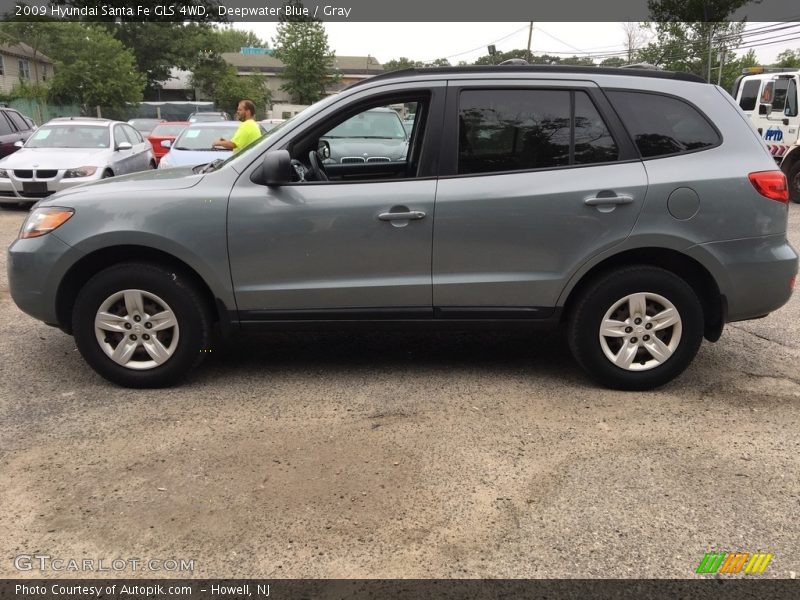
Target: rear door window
x,y
516,130
5,125
17,120
663,125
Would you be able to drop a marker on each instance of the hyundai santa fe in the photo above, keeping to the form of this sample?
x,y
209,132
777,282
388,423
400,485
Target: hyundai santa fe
x,y
637,208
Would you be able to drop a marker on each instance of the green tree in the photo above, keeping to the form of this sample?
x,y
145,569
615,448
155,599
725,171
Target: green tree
x,y
93,68
397,64
232,40
613,61
497,58
407,63
172,38
221,83
788,59
302,45
581,61
690,34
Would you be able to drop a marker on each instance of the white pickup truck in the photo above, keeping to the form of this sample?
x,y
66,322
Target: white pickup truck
x,y
769,98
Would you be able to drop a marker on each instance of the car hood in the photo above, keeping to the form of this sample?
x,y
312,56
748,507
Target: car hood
x,y
192,158
143,181
367,147
55,158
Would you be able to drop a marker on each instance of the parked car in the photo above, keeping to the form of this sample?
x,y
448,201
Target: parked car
x,y
144,126
194,145
165,132
637,208
269,124
372,136
67,152
14,127
197,117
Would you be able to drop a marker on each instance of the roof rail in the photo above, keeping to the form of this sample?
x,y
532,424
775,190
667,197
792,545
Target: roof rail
x,y
632,70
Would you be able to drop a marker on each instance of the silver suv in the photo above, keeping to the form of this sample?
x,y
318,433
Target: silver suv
x,y
638,208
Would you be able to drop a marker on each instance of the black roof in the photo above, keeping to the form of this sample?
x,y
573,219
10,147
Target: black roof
x,y
536,69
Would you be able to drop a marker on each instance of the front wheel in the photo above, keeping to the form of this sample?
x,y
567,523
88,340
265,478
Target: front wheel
x,y
636,328
141,325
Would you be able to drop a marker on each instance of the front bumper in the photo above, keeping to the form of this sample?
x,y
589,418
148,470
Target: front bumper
x,y
33,185
36,267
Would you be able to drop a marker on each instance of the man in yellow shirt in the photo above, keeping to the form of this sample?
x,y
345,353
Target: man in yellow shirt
x,y
248,131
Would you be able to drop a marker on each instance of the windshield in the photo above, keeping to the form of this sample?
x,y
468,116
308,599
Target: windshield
x,y
69,136
144,124
168,130
369,124
202,138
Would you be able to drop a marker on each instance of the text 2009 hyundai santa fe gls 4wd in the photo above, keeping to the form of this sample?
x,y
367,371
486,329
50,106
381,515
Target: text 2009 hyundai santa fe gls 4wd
x,y
639,208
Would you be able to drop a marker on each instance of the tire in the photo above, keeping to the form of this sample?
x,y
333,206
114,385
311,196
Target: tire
x,y
143,352
153,164
793,179
660,348
107,173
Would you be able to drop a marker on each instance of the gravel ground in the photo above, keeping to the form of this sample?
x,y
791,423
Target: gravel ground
x,y
400,455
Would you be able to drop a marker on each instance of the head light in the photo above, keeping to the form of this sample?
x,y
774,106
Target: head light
x,y
3,173
87,171
44,220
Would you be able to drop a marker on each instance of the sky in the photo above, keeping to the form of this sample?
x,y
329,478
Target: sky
x,y
468,41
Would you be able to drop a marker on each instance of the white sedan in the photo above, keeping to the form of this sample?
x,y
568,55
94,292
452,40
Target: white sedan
x,y
66,152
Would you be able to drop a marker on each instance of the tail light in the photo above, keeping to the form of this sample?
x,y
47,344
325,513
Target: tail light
x,y
771,184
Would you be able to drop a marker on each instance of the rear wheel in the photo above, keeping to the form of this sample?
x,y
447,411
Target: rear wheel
x,y
141,325
107,173
636,328
793,178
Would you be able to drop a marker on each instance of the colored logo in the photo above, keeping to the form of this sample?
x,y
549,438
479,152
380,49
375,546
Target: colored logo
x,y
734,562
773,135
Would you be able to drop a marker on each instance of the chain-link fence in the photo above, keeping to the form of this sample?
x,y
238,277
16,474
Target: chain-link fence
x,y
41,112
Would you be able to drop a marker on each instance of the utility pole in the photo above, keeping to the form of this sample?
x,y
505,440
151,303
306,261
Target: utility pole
x,y
710,48
530,35
721,65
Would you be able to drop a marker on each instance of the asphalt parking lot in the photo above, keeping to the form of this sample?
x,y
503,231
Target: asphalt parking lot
x,y
400,455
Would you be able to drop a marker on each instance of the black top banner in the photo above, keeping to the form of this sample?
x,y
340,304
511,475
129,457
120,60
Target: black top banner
x,y
407,10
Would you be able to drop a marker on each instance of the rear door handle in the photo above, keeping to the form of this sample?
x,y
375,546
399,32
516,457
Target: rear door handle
x,y
411,215
608,200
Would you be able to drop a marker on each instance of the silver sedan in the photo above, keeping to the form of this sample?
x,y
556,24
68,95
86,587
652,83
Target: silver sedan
x,y
67,152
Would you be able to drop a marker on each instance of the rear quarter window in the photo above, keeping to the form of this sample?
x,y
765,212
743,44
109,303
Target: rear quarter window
x,y
663,125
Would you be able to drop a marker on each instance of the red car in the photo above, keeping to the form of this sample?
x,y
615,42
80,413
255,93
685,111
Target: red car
x,y
166,131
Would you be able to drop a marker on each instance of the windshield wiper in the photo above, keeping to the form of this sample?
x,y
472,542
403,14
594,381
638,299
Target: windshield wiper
x,y
212,166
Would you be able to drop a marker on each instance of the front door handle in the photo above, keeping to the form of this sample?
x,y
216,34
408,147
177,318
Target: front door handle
x,y
411,215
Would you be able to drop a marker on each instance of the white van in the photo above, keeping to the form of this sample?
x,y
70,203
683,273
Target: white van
x,y
769,98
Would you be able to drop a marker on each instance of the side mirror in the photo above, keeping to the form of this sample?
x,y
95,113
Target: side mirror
x,y
125,146
764,109
277,168
166,143
324,149
19,143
